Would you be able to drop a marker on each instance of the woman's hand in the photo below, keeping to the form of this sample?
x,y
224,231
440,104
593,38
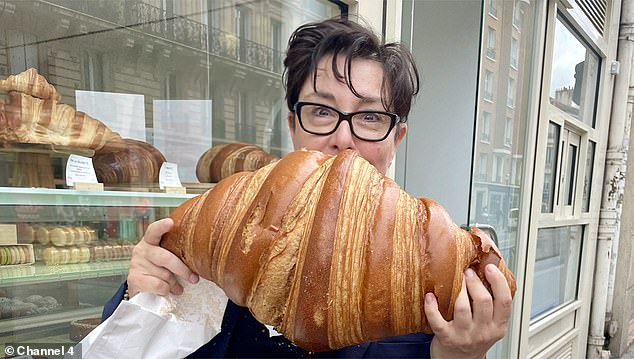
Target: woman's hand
x,y
154,269
480,319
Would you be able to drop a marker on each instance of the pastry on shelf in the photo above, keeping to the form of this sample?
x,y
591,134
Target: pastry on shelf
x,y
84,255
29,119
130,162
32,83
60,236
33,114
223,160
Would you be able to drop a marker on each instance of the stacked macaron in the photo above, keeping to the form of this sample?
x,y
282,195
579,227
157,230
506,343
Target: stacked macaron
x,y
15,254
59,236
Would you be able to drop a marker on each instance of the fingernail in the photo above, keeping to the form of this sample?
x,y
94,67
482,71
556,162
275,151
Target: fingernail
x,y
490,268
429,298
193,278
178,290
469,272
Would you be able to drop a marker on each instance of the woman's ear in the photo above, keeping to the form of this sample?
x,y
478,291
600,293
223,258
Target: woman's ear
x,y
291,121
400,134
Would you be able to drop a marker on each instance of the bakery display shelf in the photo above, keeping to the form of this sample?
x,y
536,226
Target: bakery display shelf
x,y
69,197
36,321
41,273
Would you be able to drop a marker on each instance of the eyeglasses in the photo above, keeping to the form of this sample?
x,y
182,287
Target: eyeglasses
x,y
324,120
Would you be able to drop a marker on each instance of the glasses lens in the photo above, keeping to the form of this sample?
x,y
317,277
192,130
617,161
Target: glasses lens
x,y
318,119
371,125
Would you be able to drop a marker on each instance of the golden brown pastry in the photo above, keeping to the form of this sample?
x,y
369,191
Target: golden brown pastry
x,y
60,236
29,119
42,235
51,256
134,162
84,255
328,250
32,83
221,161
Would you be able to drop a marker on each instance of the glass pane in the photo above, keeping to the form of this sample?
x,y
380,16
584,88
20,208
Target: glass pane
x,y
503,119
181,75
574,78
587,182
550,171
556,271
178,75
571,170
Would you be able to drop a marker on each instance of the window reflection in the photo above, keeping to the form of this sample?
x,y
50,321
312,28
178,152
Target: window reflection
x,y
503,118
587,182
556,268
222,52
574,78
550,169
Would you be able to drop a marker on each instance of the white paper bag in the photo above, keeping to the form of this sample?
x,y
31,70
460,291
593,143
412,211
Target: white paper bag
x,y
152,326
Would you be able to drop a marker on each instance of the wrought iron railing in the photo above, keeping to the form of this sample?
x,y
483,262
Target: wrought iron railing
x,y
181,29
110,10
156,21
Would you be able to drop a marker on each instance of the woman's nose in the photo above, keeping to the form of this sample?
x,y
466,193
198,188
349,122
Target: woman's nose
x,y
343,138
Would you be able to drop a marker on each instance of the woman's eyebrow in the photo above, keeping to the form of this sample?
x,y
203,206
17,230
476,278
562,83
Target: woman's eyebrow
x,y
366,100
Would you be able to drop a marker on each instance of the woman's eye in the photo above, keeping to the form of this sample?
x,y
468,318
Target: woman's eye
x,y
370,117
323,112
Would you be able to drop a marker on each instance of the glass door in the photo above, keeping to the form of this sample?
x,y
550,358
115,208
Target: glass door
x,y
503,146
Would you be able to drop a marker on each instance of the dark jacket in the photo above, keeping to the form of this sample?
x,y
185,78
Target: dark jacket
x,y
242,336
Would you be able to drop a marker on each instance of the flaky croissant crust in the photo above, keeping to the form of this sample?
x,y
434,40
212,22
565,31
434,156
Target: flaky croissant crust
x,y
328,250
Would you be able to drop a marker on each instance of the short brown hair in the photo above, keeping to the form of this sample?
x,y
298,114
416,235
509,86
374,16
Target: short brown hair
x,y
311,42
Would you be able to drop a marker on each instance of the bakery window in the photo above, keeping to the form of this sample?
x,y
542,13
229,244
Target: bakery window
x,y
113,113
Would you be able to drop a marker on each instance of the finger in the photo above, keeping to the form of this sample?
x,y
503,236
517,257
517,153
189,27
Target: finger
x,y
176,289
502,300
434,318
156,230
141,269
161,257
151,285
462,308
481,298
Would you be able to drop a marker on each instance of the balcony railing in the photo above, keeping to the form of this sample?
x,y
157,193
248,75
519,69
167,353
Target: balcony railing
x,y
156,21
110,10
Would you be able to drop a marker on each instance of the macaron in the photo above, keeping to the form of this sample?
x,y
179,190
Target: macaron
x,y
60,236
42,235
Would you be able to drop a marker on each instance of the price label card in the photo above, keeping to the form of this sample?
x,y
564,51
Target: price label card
x,y
168,176
80,169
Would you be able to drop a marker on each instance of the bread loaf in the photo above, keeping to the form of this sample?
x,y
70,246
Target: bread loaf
x,y
134,162
328,250
30,83
29,119
223,160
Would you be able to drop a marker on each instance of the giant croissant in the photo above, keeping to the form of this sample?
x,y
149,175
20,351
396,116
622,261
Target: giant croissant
x,y
328,250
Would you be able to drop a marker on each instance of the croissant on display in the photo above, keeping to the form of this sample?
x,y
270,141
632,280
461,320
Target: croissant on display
x,y
30,119
30,83
328,250
134,162
223,160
